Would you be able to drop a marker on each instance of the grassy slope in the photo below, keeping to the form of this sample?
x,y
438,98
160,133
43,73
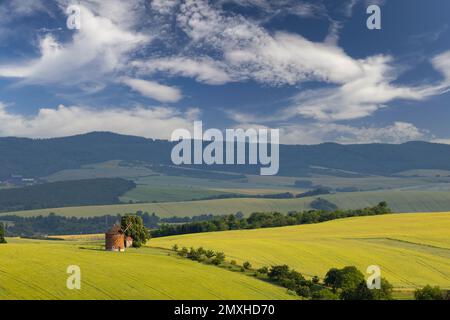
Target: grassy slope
x,y
37,270
411,249
399,201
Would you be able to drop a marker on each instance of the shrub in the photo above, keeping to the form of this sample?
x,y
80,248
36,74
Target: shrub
x,y
210,253
385,292
324,294
263,270
303,291
219,258
429,293
183,252
2,233
247,265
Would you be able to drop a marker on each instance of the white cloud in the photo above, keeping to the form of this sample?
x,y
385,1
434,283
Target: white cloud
x,y
315,133
157,122
203,69
27,7
164,6
357,87
100,48
356,98
442,63
366,94
250,52
153,90
442,141
20,8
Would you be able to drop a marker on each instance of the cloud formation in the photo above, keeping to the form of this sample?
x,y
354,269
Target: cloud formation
x,y
100,48
199,39
155,122
398,132
152,89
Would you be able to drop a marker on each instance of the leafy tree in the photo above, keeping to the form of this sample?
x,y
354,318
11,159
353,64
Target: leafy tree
x,y
2,233
324,294
360,292
385,292
247,265
278,273
350,278
332,279
175,247
347,279
429,293
135,228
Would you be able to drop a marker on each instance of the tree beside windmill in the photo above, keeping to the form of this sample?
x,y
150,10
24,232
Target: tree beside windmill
x,y
130,233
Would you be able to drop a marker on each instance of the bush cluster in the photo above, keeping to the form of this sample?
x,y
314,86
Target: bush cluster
x,y
201,255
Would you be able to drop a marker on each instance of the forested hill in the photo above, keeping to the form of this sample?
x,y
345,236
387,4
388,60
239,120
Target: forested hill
x,y
101,191
41,157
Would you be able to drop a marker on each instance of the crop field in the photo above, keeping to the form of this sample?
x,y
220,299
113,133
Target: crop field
x,y
37,270
143,193
398,201
109,169
412,249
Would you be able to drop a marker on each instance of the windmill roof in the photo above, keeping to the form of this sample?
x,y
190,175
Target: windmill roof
x,y
115,229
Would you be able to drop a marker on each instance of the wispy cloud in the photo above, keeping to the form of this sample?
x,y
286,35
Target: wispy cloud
x,y
97,50
203,69
154,90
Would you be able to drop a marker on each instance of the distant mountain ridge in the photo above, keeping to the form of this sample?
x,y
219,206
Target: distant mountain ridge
x,y
41,157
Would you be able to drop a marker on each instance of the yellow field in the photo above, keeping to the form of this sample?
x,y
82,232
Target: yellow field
x,y
80,237
411,249
32,269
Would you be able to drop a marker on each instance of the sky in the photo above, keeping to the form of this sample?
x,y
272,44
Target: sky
x,y
311,69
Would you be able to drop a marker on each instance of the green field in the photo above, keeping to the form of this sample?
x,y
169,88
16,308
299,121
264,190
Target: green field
x,y
412,249
399,201
109,169
143,193
37,270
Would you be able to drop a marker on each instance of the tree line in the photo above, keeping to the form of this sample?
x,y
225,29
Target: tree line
x,y
41,226
266,220
347,283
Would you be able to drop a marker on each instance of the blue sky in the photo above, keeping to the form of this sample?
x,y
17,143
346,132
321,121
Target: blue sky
x,y
148,67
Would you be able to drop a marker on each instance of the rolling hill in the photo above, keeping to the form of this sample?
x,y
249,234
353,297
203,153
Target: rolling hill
x,y
412,249
37,270
65,194
398,201
42,157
